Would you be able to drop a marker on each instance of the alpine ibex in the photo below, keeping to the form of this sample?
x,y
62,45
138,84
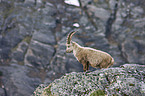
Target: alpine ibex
x,y
88,56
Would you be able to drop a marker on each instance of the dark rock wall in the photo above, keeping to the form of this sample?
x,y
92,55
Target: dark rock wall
x,y
33,35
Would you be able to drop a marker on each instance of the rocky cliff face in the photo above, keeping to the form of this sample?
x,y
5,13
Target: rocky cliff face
x,y
33,35
127,80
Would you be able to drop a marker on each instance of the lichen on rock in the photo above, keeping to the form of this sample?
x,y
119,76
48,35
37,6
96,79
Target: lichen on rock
x,y
128,79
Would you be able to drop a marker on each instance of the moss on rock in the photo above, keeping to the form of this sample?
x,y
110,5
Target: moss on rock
x,y
98,93
128,80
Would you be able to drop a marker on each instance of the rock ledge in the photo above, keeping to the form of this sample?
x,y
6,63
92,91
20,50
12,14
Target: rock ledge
x,y
128,79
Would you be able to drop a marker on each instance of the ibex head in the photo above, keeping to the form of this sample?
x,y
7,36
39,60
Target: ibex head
x,y
69,46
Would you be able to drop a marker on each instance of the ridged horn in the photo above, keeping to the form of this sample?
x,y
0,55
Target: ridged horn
x,y
70,36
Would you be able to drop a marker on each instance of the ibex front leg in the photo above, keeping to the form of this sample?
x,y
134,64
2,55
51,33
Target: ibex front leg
x,y
85,65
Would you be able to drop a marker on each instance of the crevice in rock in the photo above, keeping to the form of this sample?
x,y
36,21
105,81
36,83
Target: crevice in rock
x,y
123,55
26,39
8,10
2,84
109,23
106,76
109,33
54,30
35,2
5,91
84,8
29,43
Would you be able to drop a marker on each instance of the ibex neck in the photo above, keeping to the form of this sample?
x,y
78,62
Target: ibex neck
x,y
76,47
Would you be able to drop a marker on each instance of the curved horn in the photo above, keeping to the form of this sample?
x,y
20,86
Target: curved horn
x,y
70,36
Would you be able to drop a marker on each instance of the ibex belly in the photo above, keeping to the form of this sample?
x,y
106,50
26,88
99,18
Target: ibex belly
x,y
94,62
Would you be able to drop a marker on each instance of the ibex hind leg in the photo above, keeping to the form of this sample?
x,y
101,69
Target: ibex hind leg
x,y
104,65
110,64
85,66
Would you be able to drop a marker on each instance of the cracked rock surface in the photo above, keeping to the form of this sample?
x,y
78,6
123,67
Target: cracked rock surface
x,y
33,37
129,80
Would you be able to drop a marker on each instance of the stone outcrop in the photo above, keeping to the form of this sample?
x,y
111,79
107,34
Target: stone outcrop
x,y
127,80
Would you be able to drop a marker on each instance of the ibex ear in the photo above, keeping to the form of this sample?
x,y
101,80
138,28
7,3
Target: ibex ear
x,y
72,43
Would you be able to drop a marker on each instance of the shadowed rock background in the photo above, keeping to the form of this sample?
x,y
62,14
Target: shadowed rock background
x,y
33,35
